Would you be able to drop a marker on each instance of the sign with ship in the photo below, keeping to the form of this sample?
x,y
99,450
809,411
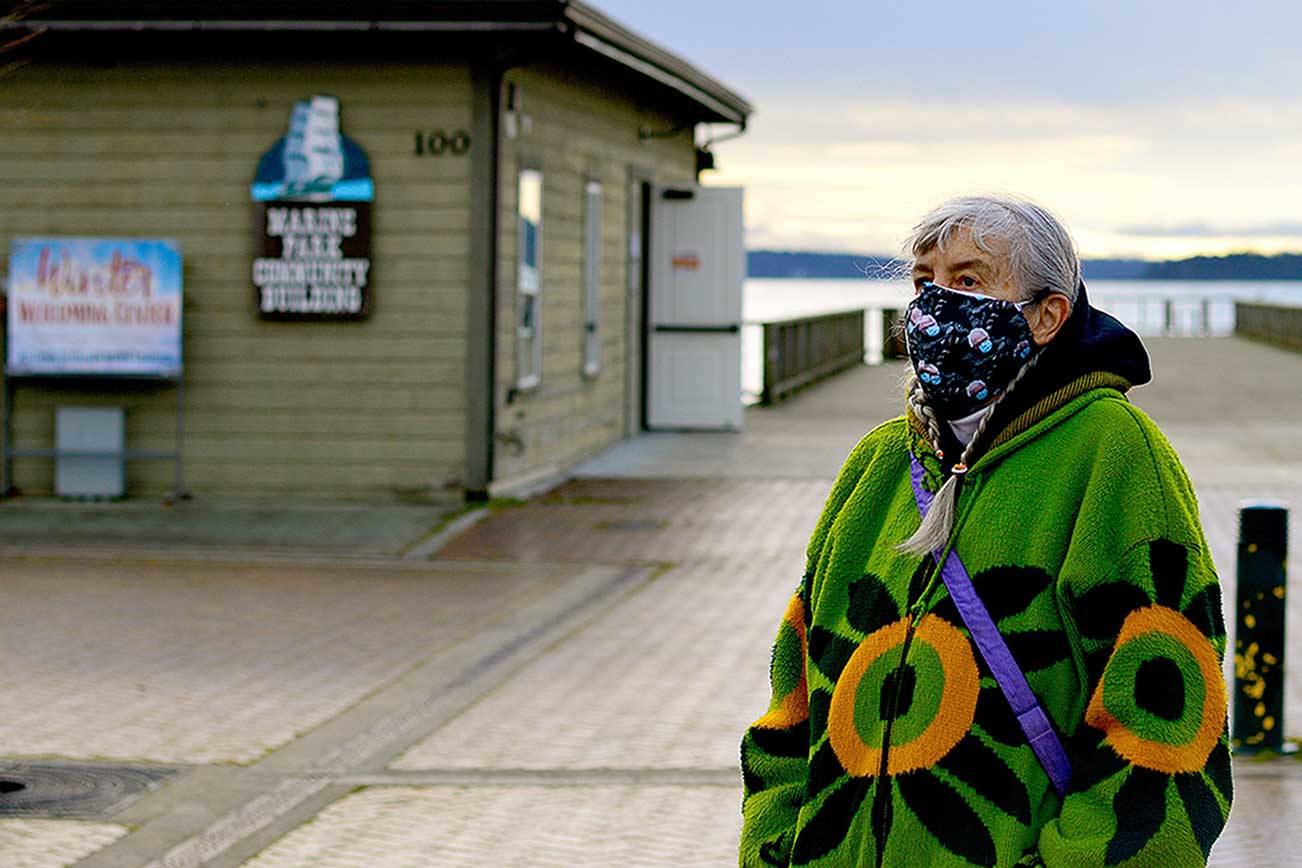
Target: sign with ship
x,y
314,192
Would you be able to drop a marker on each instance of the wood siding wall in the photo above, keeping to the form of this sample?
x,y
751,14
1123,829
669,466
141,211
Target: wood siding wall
x,y
577,130
357,411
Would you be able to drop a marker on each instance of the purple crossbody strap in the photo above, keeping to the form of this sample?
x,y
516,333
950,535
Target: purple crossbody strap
x,y
994,650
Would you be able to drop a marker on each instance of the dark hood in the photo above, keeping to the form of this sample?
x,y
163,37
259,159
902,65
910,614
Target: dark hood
x,y
1091,341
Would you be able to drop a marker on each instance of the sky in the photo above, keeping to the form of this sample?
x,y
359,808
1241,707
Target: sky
x,y
1155,129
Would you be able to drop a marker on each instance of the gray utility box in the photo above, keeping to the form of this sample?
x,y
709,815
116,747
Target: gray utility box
x,y
81,430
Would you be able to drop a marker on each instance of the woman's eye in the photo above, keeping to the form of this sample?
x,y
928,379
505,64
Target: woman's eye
x,y
968,282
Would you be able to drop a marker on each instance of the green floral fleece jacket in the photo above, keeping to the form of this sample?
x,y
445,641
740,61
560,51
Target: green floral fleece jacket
x,y
888,742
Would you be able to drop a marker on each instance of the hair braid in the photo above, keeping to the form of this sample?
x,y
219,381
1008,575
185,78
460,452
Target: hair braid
x,y
937,525
917,401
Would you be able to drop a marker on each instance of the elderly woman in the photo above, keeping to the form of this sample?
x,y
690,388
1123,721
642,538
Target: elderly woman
x,y
1031,673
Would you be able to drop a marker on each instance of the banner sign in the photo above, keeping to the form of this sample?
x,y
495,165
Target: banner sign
x,y
314,194
88,306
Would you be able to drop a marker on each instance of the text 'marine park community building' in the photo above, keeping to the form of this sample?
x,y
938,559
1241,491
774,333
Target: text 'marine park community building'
x,y
374,252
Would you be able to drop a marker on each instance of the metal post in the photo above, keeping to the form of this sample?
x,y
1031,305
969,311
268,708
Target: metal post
x,y
892,334
856,336
6,411
769,340
1259,628
1207,316
1169,326
180,493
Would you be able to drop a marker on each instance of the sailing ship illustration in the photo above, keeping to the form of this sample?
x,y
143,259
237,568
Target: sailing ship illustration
x,y
313,161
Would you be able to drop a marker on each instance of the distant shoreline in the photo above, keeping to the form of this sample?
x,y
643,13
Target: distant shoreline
x,y
1235,266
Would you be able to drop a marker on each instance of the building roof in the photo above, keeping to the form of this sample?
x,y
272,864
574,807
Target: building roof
x,y
588,30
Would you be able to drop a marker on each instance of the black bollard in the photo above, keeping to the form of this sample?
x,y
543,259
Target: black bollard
x,y
1259,628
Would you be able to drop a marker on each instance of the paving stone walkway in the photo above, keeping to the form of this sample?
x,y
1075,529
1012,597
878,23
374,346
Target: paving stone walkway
x,y
565,683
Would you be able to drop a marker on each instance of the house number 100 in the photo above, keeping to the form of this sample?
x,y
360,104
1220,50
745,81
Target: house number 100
x,y
437,143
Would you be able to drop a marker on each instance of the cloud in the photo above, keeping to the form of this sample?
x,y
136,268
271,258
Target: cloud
x,y
1160,128
1106,52
1279,229
1166,180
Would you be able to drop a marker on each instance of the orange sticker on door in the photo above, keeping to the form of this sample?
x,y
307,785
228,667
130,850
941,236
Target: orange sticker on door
x,y
687,259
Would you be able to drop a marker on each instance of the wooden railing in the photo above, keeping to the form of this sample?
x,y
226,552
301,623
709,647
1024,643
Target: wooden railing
x,y
1272,323
784,355
802,350
1184,313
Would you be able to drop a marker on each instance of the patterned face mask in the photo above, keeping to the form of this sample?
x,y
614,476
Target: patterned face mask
x,y
965,347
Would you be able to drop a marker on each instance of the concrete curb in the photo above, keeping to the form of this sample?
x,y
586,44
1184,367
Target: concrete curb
x,y
425,549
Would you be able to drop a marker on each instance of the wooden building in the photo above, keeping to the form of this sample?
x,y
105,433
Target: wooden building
x,y
511,145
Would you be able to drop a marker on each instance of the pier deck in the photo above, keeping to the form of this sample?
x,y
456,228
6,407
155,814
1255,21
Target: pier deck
x,y
563,683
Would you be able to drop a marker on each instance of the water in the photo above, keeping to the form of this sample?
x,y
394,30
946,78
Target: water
x,y
1140,304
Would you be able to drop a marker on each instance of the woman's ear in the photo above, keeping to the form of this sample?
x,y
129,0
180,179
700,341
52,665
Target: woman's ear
x,y
1047,317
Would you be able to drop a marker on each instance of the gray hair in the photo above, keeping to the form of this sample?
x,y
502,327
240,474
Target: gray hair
x,y
1040,250
1041,255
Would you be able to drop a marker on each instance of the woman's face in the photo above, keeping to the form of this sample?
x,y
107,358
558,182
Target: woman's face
x,y
960,264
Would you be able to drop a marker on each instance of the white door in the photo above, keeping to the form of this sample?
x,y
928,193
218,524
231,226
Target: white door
x,y
698,262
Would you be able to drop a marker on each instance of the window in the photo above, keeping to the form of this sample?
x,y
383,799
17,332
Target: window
x,y
528,299
591,278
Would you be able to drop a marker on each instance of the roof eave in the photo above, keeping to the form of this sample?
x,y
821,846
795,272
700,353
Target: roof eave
x,y
587,27
596,31
250,25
